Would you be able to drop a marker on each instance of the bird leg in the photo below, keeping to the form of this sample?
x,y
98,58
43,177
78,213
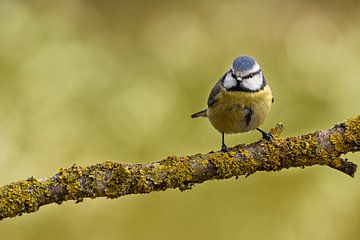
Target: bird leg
x,y
224,148
265,135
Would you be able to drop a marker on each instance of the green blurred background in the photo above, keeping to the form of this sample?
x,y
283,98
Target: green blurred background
x,y
88,81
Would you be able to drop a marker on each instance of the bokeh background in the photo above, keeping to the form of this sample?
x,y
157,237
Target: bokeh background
x,y
88,81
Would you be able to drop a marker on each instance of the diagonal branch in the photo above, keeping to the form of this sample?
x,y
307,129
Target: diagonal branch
x,y
112,179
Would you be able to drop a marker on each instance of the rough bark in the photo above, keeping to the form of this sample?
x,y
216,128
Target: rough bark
x,y
112,179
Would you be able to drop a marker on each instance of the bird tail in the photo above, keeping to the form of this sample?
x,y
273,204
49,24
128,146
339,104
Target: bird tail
x,y
202,113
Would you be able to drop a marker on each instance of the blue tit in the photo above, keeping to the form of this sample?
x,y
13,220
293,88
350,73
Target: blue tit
x,y
240,100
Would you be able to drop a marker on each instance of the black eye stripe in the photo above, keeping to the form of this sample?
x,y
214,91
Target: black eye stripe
x,y
250,75
233,75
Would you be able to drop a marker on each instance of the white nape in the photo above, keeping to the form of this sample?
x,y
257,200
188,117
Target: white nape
x,y
229,81
255,68
254,83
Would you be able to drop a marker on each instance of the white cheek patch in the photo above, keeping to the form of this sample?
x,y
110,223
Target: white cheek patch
x,y
254,83
229,81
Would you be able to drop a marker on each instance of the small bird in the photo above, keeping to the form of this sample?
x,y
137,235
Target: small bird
x,y
240,100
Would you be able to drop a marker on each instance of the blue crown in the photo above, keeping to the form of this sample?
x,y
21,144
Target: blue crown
x,y
243,63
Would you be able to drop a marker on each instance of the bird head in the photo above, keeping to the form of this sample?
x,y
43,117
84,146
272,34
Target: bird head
x,y
244,75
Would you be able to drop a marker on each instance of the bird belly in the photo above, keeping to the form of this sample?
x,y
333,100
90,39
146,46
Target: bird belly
x,y
236,112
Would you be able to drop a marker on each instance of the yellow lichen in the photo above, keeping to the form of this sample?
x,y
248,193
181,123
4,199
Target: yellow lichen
x,y
338,141
350,139
352,132
230,165
20,197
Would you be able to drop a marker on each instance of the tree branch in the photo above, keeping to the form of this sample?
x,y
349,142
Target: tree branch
x,y
112,179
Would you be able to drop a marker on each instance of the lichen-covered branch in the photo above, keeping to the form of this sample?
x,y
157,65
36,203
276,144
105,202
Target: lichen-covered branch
x,y
112,179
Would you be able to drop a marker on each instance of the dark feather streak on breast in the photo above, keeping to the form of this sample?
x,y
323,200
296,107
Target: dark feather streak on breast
x,y
248,114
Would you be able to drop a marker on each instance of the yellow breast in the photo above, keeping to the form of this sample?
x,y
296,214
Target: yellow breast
x,y
235,112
